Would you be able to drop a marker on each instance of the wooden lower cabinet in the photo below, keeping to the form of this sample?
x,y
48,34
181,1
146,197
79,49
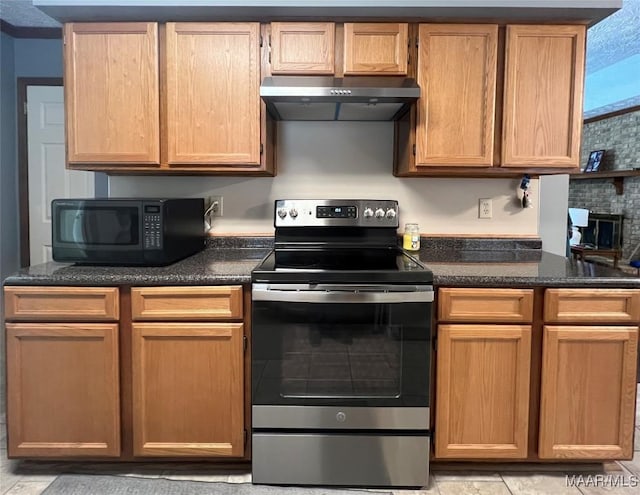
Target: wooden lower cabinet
x,y
188,389
588,392
63,390
482,395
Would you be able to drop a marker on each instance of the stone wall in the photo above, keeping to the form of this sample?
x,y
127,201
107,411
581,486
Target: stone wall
x,y
620,136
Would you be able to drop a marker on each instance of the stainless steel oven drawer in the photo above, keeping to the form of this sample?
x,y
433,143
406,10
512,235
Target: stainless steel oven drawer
x,y
341,459
336,417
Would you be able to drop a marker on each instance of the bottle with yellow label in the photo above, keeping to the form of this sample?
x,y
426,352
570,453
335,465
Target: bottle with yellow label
x,y
411,237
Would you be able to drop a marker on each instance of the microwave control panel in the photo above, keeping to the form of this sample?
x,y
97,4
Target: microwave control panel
x,y
152,227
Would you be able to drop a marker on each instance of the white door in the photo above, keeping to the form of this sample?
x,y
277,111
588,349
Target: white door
x,y
48,177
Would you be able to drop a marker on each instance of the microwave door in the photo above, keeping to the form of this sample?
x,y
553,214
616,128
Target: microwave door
x,y
112,228
73,230
78,232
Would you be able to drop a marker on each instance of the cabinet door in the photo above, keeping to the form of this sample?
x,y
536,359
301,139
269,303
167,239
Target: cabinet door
x,y
588,392
376,48
188,389
542,119
302,47
457,66
62,390
482,395
111,93
213,95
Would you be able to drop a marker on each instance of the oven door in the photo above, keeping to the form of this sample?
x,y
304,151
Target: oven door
x,y
339,348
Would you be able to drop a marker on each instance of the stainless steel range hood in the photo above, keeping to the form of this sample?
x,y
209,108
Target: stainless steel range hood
x,y
338,98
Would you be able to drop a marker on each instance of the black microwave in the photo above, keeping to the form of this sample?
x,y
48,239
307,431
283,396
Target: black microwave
x,y
118,231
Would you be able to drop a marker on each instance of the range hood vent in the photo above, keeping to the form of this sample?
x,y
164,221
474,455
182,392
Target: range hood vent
x,y
338,98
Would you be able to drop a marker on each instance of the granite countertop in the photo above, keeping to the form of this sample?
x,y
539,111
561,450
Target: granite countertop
x,y
477,268
484,263
213,266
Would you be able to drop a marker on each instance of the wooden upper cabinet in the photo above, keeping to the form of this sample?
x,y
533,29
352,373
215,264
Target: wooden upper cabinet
x,y
588,392
482,392
302,48
63,390
543,96
111,93
457,66
188,389
213,99
376,48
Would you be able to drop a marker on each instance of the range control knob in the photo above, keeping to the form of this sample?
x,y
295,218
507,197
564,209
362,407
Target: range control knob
x,y
367,213
379,213
391,213
282,213
293,213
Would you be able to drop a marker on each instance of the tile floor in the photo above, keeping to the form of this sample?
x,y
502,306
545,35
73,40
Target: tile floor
x,y
31,478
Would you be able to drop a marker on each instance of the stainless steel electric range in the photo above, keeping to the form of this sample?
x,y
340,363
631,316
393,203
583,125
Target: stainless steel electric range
x,y
341,349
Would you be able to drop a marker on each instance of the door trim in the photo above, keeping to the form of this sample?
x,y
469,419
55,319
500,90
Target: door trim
x,y
23,159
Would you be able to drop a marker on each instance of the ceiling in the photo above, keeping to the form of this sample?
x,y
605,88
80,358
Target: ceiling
x,y
22,13
615,38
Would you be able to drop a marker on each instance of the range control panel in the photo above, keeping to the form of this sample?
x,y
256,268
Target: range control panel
x,y
336,212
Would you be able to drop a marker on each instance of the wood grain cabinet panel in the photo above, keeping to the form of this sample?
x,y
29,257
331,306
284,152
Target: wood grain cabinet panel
x,y
111,93
186,303
485,305
213,98
302,48
592,306
33,303
482,395
376,48
543,96
188,386
588,392
457,66
63,390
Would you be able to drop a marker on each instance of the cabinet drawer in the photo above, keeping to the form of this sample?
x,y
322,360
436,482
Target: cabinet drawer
x,y
490,305
186,303
592,305
61,304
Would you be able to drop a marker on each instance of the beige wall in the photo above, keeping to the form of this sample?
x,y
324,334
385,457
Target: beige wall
x,y
348,160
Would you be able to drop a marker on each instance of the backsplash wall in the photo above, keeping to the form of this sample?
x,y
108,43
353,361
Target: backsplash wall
x,y
347,160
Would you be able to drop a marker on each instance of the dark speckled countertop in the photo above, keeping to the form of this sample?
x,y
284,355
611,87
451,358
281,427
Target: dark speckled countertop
x,y
520,269
454,262
214,266
227,260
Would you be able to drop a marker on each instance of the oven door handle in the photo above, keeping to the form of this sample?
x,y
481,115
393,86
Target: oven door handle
x,y
341,296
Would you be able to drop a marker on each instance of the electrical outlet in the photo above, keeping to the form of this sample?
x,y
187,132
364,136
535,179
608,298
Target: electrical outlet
x,y
485,208
214,206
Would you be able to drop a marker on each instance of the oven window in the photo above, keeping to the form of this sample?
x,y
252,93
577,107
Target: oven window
x,y
351,354
99,226
324,361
